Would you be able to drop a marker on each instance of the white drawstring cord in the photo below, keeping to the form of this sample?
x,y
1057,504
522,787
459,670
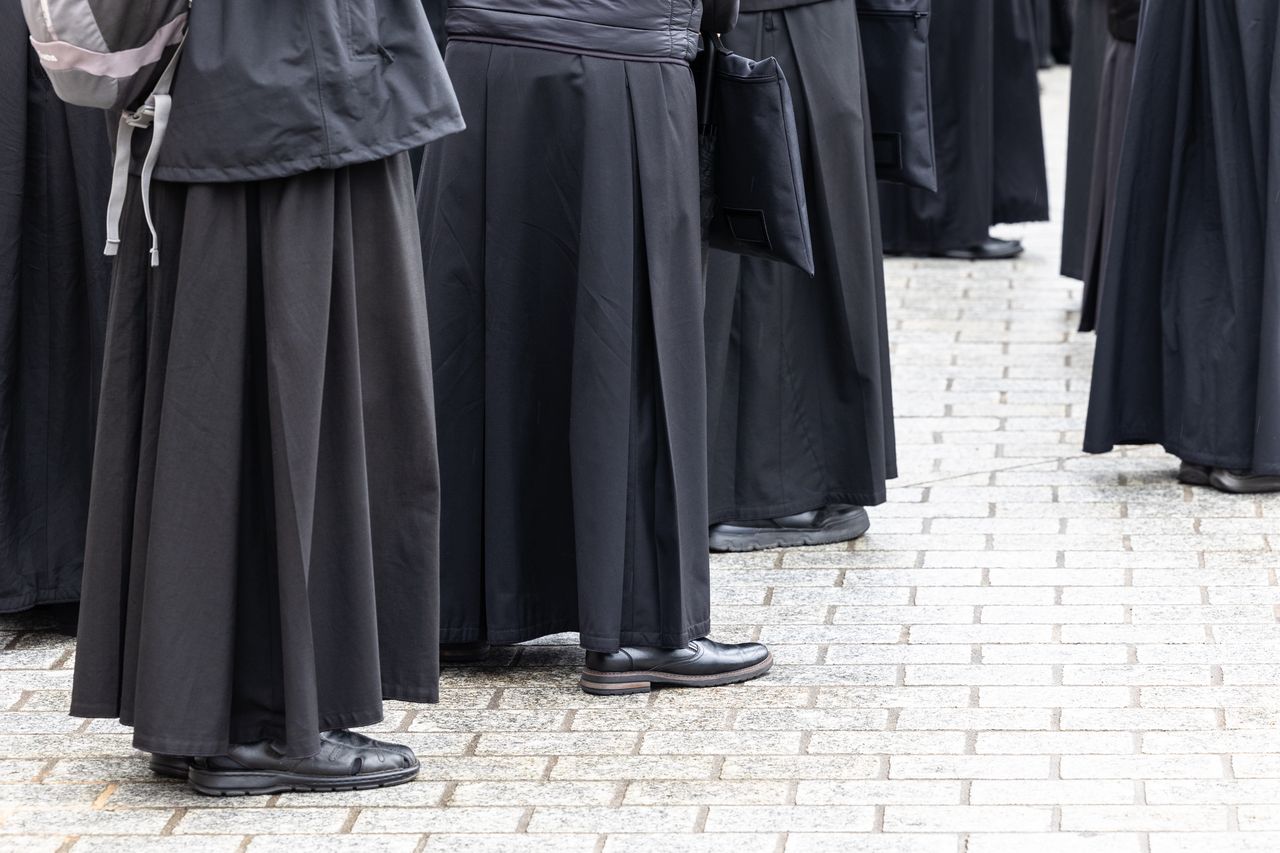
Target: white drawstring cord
x,y
154,114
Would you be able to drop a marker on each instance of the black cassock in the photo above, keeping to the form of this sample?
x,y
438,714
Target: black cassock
x,y
800,412
54,280
987,133
1113,113
435,17
1020,184
562,236
1188,349
1043,17
1088,51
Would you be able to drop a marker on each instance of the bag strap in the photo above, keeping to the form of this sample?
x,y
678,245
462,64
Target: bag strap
x,y
154,114
719,16
711,45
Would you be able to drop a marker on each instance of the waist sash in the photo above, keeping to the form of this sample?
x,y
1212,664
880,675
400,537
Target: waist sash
x,y
645,30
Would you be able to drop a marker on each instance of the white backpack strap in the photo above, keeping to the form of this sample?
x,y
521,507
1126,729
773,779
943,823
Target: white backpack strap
x,y
119,185
161,104
155,114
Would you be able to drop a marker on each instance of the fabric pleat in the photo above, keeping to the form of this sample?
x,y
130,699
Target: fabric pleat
x,y
987,131
1113,111
263,529
562,235
1088,50
801,412
1020,182
1188,349
54,280
962,75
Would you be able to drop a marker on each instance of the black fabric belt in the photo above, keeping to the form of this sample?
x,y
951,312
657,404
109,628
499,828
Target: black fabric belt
x,y
646,30
749,6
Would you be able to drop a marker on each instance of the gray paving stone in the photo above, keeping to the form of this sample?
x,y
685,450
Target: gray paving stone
x,y
622,819
334,844
738,842
487,820
563,843
169,844
85,821
1060,842
552,793
846,818
759,792
260,821
834,842
45,795
35,843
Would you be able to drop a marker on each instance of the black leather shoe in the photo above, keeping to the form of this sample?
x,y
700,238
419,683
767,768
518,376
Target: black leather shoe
x,y
702,663
835,523
990,249
460,654
258,768
356,739
1244,483
170,766
1192,474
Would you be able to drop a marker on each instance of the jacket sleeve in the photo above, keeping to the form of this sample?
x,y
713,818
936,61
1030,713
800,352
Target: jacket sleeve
x,y
719,16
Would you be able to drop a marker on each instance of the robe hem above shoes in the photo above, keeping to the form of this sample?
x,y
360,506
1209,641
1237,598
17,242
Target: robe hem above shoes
x,y
590,642
779,510
398,693
165,745
28,600
1253,466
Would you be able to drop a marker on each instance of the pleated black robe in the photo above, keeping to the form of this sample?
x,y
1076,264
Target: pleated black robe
x,y
1188,349
564,283
1020,183
54,281
1113,113
1088,51
1042,11
262,546
961,38
435,17
987,132
800,408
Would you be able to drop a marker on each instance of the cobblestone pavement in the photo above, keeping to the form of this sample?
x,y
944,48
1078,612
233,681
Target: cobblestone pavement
x,y
1033,650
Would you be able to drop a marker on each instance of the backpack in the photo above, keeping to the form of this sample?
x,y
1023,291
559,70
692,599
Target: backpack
x,y
115,55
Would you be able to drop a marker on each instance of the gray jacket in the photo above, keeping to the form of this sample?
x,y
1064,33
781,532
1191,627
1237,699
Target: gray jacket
x,y
270,89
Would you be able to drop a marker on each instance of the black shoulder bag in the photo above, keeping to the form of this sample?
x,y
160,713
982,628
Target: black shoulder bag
x,y
895,53
752,182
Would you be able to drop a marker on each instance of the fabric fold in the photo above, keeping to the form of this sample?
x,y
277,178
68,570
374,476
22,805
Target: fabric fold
x,y
257,498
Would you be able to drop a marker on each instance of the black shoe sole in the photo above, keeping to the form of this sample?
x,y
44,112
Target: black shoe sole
x,y
1225,481
641,681
976,255
759,540
1194,475
169,766
220,783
